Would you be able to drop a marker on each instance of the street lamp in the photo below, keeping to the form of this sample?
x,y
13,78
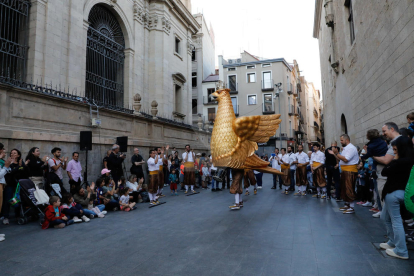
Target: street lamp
x,y
278,91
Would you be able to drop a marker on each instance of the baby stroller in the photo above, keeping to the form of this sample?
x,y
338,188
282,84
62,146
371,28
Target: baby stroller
x,y
30,210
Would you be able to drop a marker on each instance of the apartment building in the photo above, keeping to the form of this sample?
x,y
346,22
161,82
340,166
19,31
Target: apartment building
x,y
251,81
203,64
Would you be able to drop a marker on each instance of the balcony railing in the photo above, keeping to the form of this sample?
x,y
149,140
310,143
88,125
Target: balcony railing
x,y
208,100
234,88
268,108
268,85
291,110
297,111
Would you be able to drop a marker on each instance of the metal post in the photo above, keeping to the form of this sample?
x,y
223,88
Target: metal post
x,y
280,125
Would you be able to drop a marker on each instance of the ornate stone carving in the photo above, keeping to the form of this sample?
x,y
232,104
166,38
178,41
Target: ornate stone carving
x,y
145,19
137,102
166,25
153,22
139,13
190,47
207,126
154,109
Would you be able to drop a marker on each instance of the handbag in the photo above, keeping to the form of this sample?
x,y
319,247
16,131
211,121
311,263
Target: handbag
x,y
41,196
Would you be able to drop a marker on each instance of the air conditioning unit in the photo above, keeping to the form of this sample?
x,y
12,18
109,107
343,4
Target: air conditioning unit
x,y
230,61
96,122
239,60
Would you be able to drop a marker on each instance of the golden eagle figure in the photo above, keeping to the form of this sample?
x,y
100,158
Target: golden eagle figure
x,y
234,140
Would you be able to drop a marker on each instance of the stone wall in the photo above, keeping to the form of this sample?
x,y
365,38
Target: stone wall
x,y
29,119
375,78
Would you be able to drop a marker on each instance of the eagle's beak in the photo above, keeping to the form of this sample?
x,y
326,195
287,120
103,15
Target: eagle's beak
x,y
214,96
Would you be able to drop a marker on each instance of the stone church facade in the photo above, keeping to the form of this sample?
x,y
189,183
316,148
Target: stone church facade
x,y
366,51
113,67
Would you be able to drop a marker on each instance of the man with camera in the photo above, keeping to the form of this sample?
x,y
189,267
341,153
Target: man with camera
x,y
115,161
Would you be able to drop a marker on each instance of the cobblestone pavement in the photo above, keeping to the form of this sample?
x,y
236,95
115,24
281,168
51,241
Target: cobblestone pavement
x,y
273,234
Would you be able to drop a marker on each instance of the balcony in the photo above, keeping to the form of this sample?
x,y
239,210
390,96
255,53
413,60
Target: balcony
x,y
315,112
297,112
208,101
234,88
267,108
268,85
289,89
294,91
211,117
301,120
291,110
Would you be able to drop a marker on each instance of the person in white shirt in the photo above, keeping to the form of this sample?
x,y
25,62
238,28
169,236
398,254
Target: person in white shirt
x,y
153,177
213,172
274,160
348,161
189,171
249,180
302,160
292,156
162,159
285,162
317,161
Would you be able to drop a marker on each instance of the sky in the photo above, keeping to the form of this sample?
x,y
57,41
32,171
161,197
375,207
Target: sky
x,y
265,28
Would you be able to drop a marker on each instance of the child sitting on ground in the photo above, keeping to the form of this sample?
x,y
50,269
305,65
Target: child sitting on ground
x,y
173,182
75,210
53,215
124,201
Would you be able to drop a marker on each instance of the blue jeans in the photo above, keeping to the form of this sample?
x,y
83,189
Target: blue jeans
x,y
378,200
259,179
277,178
392,218
292,179
212,183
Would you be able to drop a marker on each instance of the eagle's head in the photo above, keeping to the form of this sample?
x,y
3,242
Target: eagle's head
x,y
221,94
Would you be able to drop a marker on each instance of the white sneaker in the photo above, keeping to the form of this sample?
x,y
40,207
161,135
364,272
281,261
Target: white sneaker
x,y
377,214
367,204
410,224
385,246
85,219
6,221
391,253
409,221
101,215
2,235
2,239
104,212
76,219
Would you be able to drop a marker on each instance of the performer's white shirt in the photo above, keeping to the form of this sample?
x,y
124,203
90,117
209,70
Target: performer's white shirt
x,y
274,161
302,157
292,159
160,163
317,157
190,156
286,159
350,152
151,165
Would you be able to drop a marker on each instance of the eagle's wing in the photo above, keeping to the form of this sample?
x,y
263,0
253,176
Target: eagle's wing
x,y
256,128
250,131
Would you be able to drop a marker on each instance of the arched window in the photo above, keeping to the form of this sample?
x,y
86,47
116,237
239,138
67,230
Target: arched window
x,y
344,128
105,58
14,17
